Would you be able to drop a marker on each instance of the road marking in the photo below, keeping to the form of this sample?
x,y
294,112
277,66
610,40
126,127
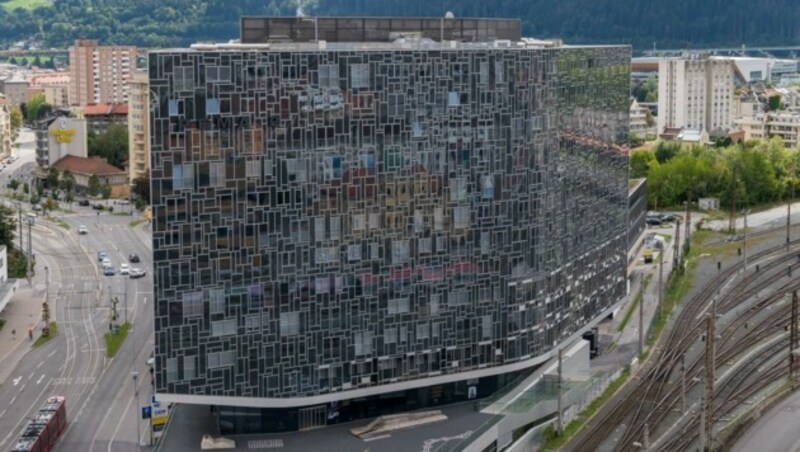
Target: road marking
x,y
17,380
13,399
121,418
51,353
2,413
375,438
40,364
31,375
22,388
40,379
145,300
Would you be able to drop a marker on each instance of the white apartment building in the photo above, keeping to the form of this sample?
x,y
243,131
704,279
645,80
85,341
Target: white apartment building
x,y
638,120
5,131
784,124
695,92
138,127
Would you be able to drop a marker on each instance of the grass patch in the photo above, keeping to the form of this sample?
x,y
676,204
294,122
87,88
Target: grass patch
x,y
122,214
636,300
59,222
41,340
135,223
551,439
114,341
2,323
17,265
11,5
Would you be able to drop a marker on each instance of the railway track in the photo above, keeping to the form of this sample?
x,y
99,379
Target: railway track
x,y
640,395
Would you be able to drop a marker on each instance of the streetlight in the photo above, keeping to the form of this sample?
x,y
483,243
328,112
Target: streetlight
x,y
135,377
744,245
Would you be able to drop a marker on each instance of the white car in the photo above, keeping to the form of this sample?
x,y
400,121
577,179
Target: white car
x,y
82,230
124,269
106,262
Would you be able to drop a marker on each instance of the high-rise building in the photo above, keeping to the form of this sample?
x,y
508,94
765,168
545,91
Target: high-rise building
x,y
99,74
696,93
138,127
6,138
409,213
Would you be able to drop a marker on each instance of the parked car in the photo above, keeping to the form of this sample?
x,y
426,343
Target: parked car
x,y
36,208
84,202
98,207
124,269
137,272
133,258
82,230
654,221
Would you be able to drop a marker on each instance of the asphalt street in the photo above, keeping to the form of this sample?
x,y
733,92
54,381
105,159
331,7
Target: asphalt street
x,y
102,406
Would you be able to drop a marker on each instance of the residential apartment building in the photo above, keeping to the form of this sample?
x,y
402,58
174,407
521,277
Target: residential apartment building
x,y
138,127
411,213
697,93
784,124
99,74
54,86
638,120
15,89
58,136
100,116
6,138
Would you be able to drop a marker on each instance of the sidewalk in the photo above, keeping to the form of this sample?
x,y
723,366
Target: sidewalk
x,y
23,312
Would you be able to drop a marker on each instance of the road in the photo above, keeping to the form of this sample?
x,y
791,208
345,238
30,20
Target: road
x,y
101,406
776,430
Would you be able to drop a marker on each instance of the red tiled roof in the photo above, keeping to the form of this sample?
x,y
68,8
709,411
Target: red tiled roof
x,y
87,166
105,109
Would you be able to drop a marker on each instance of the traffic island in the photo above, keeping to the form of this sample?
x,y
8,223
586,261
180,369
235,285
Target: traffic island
x,y
44,338
115,338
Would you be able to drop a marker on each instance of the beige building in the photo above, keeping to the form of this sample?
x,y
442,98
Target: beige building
x,y
784,124
99,74
697,92
138,127
638,119
6,140
84,168
15,89
54,86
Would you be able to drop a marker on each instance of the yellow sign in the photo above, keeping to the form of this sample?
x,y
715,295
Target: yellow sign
x,y
63,135
159,420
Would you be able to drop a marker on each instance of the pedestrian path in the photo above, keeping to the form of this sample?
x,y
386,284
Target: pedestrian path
x,y
22,317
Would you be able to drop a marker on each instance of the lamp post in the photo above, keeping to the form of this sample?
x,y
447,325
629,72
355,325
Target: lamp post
x,y
135,377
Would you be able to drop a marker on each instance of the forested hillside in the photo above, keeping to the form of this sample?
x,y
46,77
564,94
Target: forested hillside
x,y
668,24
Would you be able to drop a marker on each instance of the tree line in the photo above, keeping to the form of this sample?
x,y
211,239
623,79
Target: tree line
x,y
754,172
644,24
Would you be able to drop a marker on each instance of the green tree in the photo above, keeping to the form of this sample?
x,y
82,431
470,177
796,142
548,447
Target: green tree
x,y
67,182
141,188
636,140
111,145
35,108
641,162
8,225
37,61
13,61
52,178
13,184
16,119
26,188
666,150
106,191
775,102
94,186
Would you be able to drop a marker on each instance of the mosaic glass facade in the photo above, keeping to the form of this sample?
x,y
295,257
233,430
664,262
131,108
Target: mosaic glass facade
x,y
333,219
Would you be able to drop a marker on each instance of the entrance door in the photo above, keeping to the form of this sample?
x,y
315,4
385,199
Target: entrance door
x,y
312,417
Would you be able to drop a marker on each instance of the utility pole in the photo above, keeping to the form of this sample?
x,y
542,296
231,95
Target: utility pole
x,y
703,422
789,211
135,377
676,255
30,249
744,245
793,340
559,419
641,325
19,209
709,395
732,224
661,283
126,301
646,437
688,221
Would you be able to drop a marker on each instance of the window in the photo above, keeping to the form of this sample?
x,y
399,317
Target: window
x,y
173,107
390,335
457,298
183,177
183,78
359,221
398,305
253,169
220,359
212,106
217,174
252,322
353,253
223,327
172,369
363,343
329,76
218,74
217,301
400,251
192,304
290,323
461,217
189,367
486,327
453,99
423,331
359,76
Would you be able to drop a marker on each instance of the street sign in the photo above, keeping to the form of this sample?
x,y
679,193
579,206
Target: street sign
x,y
146,412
